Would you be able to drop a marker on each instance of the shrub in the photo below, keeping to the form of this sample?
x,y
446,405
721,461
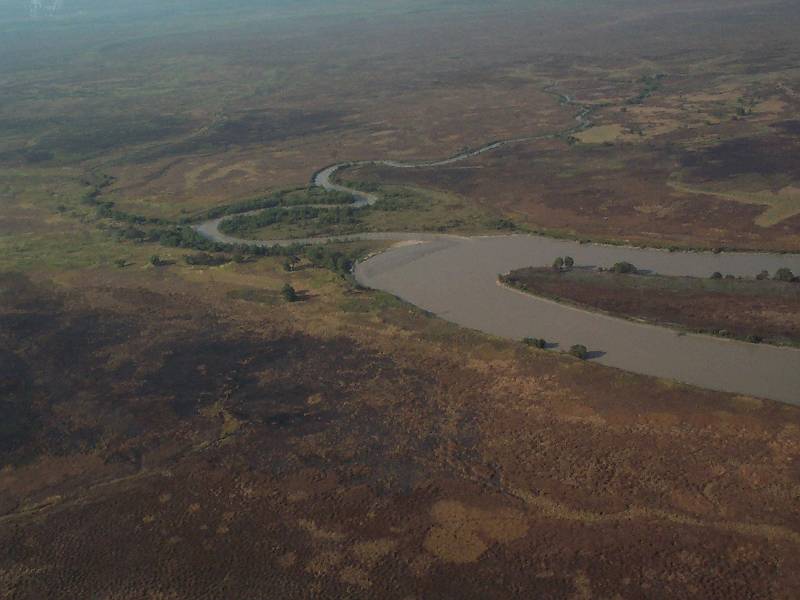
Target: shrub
x,y
763,275
558,264
623,267
206,259
579,351
784,274
289,293
716,275
540,343
569,262
156,261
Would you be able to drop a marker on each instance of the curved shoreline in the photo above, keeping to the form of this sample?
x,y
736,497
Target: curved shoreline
x,y
455,278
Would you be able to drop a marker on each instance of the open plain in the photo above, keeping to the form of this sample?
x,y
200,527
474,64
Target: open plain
x,y
175,424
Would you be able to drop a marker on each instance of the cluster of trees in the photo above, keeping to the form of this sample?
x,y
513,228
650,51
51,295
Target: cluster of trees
x,y
782,274
502,224
211,260
212,253
540,343
292,216
326,257
106,209
651,85
285,199
578,350
564,263
186,237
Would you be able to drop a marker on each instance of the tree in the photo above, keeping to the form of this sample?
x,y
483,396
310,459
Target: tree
x,y
535,342
784,274
288,265
558,264
579,351
716,275
763,275
623,267
155,260
289,293
569,262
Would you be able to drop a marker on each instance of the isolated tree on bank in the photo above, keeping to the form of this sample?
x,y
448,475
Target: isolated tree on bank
x,y
569,262
535,342
784,274
289,293
558,264
579,351
623,267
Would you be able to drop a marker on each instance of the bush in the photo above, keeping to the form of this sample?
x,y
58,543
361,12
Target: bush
x,y
289,293
206,259
579,351
716,275
569,262
156,261
623,267
327,258
784,274
558,263
763,275
540,343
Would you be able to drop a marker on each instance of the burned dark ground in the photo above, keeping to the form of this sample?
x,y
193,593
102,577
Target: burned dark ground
x,y
172,448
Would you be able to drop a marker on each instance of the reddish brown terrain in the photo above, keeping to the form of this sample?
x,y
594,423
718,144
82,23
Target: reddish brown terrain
x,y
745,309
222,452
178,431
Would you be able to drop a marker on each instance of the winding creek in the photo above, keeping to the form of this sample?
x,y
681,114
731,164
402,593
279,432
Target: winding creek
x,y
456,279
